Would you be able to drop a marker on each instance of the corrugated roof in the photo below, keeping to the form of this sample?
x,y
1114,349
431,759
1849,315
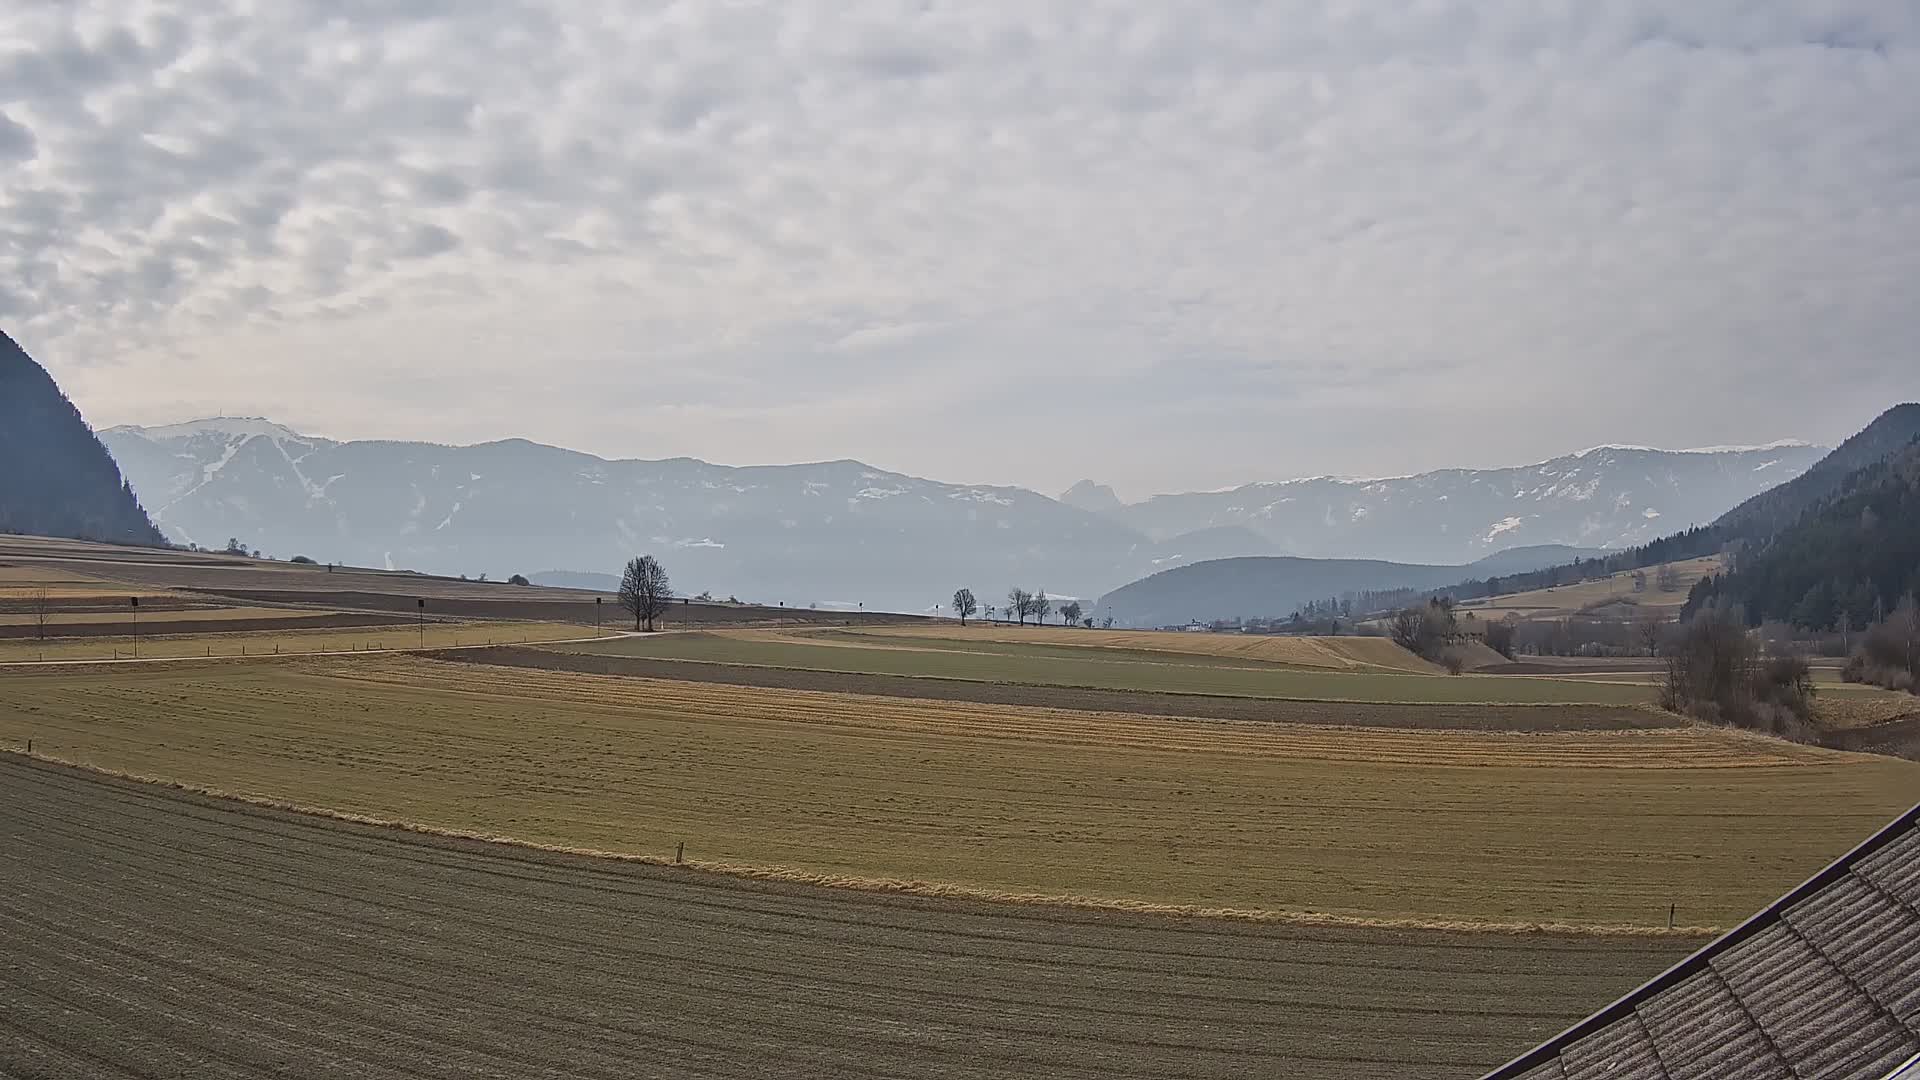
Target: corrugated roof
x,y
1824,983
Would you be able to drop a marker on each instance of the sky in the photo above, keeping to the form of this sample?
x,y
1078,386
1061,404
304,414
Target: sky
x,y
1165,246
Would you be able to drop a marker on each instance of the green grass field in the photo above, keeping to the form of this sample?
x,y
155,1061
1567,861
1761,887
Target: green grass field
x,y
1112,669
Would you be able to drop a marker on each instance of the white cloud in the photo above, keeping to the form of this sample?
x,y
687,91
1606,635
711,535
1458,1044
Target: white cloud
x,y
1004,241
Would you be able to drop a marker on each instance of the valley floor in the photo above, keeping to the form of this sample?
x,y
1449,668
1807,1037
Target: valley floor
x,y
157,933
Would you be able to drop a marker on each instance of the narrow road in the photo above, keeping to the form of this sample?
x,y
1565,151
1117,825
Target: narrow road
x,y
153,933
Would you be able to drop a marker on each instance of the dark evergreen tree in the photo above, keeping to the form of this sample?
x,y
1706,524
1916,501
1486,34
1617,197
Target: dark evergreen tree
x,y
55,477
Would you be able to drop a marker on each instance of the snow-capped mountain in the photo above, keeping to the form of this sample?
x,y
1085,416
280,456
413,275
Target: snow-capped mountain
x,y
846,532
1605,497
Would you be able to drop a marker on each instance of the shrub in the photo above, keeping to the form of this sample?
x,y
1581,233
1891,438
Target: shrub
x,y
1715,675
303,560
518,579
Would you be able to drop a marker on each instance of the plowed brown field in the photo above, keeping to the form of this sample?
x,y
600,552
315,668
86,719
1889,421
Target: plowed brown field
x,y
156,933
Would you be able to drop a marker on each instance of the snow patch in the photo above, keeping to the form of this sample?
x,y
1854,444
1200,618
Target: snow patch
x,y
1649,513
1503,525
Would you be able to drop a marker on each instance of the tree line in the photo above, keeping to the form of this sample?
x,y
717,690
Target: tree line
x,y
1021,605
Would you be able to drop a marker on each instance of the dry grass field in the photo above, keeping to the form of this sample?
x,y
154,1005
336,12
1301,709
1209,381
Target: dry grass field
x,y
1573,599
159,619
1099,667
1373,824
281,639
151,932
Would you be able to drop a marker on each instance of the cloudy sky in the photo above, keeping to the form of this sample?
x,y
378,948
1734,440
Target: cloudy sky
x,y
1165,245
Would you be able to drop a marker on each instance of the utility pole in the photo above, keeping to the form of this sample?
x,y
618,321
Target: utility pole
x,y
422,602
133,604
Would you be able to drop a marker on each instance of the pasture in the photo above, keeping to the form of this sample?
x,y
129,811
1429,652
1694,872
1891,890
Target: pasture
x,y
1582,828
1043,663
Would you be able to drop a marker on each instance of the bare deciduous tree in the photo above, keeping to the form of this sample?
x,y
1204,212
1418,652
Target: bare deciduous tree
x,y
1667,578
1649,628
1070,612
1408,628
42,607
645,591
964,605
1042,607
1019,604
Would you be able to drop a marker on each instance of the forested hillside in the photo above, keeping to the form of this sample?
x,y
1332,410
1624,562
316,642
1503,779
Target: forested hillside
x,y
55,477
1846,561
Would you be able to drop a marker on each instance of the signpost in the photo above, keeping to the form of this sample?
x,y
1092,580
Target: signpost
x,y
133,604
422,602
597,601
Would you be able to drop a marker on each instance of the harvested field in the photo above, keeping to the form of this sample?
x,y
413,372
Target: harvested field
x,y
346,634
1092,808
154,932
1510,718
1127,672
202,623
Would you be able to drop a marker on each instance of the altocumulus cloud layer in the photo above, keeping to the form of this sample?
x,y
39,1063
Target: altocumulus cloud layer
x,y
1168,245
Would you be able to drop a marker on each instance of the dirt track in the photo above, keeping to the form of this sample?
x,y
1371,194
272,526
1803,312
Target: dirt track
x,y
154,933
1358,714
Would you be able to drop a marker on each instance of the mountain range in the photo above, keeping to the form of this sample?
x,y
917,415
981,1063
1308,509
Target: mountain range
x,y
844,532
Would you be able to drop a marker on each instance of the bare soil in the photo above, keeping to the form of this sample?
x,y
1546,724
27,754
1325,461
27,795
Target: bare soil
x,y
1899,737
1358,714
152,932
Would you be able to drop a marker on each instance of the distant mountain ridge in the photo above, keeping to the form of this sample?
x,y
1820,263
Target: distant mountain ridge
x,y
1273,587
56,479
1604,497
840,531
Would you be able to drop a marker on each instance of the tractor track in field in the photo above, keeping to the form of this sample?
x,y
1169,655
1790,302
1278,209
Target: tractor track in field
x,y
155,932
1511,718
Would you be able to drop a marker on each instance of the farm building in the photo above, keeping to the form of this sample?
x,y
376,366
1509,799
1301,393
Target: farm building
x,y
1825,982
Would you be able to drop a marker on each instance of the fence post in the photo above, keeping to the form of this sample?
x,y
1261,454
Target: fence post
x,y
680,853
1670,910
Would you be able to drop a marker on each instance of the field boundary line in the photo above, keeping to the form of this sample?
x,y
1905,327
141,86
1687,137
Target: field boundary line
x,y
904,886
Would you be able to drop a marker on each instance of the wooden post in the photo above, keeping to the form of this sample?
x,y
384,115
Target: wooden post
x,y
680,853
29,747
1670,910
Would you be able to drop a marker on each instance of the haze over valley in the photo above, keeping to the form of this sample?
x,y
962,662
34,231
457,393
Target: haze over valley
x,y
846,533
